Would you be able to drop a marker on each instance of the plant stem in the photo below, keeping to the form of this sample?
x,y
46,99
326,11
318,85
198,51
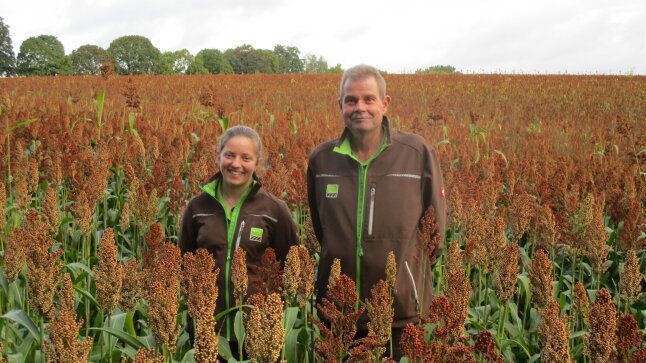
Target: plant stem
x,y
421,298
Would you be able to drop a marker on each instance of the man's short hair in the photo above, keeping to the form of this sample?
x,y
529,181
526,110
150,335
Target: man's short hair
x,y
363,71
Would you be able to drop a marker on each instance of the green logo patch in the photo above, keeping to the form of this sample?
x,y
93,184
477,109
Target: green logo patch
x,y
332,191
256,234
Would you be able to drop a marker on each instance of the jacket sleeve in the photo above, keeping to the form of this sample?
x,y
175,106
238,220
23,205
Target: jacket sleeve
x,y
433,190
286,234
187,233
311,198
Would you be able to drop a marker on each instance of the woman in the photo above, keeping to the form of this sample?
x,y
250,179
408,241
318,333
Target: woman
x,y
234,211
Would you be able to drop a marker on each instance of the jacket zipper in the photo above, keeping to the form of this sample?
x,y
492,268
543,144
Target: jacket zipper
x,y
372,209
412,279
239,234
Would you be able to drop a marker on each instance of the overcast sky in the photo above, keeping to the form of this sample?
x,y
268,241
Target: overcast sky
x,y
511,36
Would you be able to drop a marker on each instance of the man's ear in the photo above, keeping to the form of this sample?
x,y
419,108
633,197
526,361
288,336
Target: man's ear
x,y
386,102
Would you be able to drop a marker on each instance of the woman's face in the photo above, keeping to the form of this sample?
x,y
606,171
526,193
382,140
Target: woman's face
x,y
238,160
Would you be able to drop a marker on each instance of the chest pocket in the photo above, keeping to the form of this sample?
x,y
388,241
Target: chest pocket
x,y
392,206
254,232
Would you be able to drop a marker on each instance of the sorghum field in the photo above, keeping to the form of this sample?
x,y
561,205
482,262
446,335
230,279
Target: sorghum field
x,y
544,256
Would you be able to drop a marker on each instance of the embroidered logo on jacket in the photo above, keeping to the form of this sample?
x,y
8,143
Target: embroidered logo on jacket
x,y
256,234
332,190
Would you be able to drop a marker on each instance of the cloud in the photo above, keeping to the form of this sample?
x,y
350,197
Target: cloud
x,y
477,36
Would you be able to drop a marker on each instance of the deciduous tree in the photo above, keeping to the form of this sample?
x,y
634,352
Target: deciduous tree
x,y
213,61
245,59
134,54
314,64
177,62
88,59
43,55
289,60
7,56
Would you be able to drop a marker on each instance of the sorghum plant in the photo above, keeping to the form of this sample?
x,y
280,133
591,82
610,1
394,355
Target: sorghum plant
x,y
63,345
108,273
265,332
601,322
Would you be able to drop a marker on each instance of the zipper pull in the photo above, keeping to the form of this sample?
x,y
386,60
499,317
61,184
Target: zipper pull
x,y
239,234
373,192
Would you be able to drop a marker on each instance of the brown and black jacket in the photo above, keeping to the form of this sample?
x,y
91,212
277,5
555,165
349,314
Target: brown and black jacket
x,y
259,220
362,211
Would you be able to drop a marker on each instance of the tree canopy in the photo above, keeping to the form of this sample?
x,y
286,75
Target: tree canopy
x,y
134,54
7,56
289,60
43,55
212,61
88,59
438,69
177,62
245,59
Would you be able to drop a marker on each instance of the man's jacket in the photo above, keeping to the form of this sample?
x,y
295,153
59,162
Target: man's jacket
x,y
362,211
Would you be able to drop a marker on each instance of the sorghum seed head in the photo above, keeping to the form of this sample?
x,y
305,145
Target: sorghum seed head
x,y
391,270
601,325
540,276
108,273
239,276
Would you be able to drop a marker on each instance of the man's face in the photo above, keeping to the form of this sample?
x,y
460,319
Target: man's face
x,y
362,107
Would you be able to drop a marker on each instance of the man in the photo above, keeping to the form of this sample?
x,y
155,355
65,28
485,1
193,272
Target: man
x,y
367,192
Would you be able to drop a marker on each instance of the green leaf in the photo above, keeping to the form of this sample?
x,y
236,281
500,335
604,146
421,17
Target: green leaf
x,y
131,124
16,358
578,334
238,327
129,324
74,266
117,322
86,294
20,317
22,124
224,349
99,108
518,343
189,356
223,313
291,346
289,318
534,358
4,282
224,123
134,342
442,142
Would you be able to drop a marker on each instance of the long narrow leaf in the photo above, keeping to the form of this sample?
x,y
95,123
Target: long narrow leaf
x,y
86,294
99,108
20,317
123,336
23,124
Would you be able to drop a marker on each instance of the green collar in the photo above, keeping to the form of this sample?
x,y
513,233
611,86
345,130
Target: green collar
x,y
346,149
214,189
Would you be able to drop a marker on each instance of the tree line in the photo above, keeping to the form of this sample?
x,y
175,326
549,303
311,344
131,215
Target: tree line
x,y
44,55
